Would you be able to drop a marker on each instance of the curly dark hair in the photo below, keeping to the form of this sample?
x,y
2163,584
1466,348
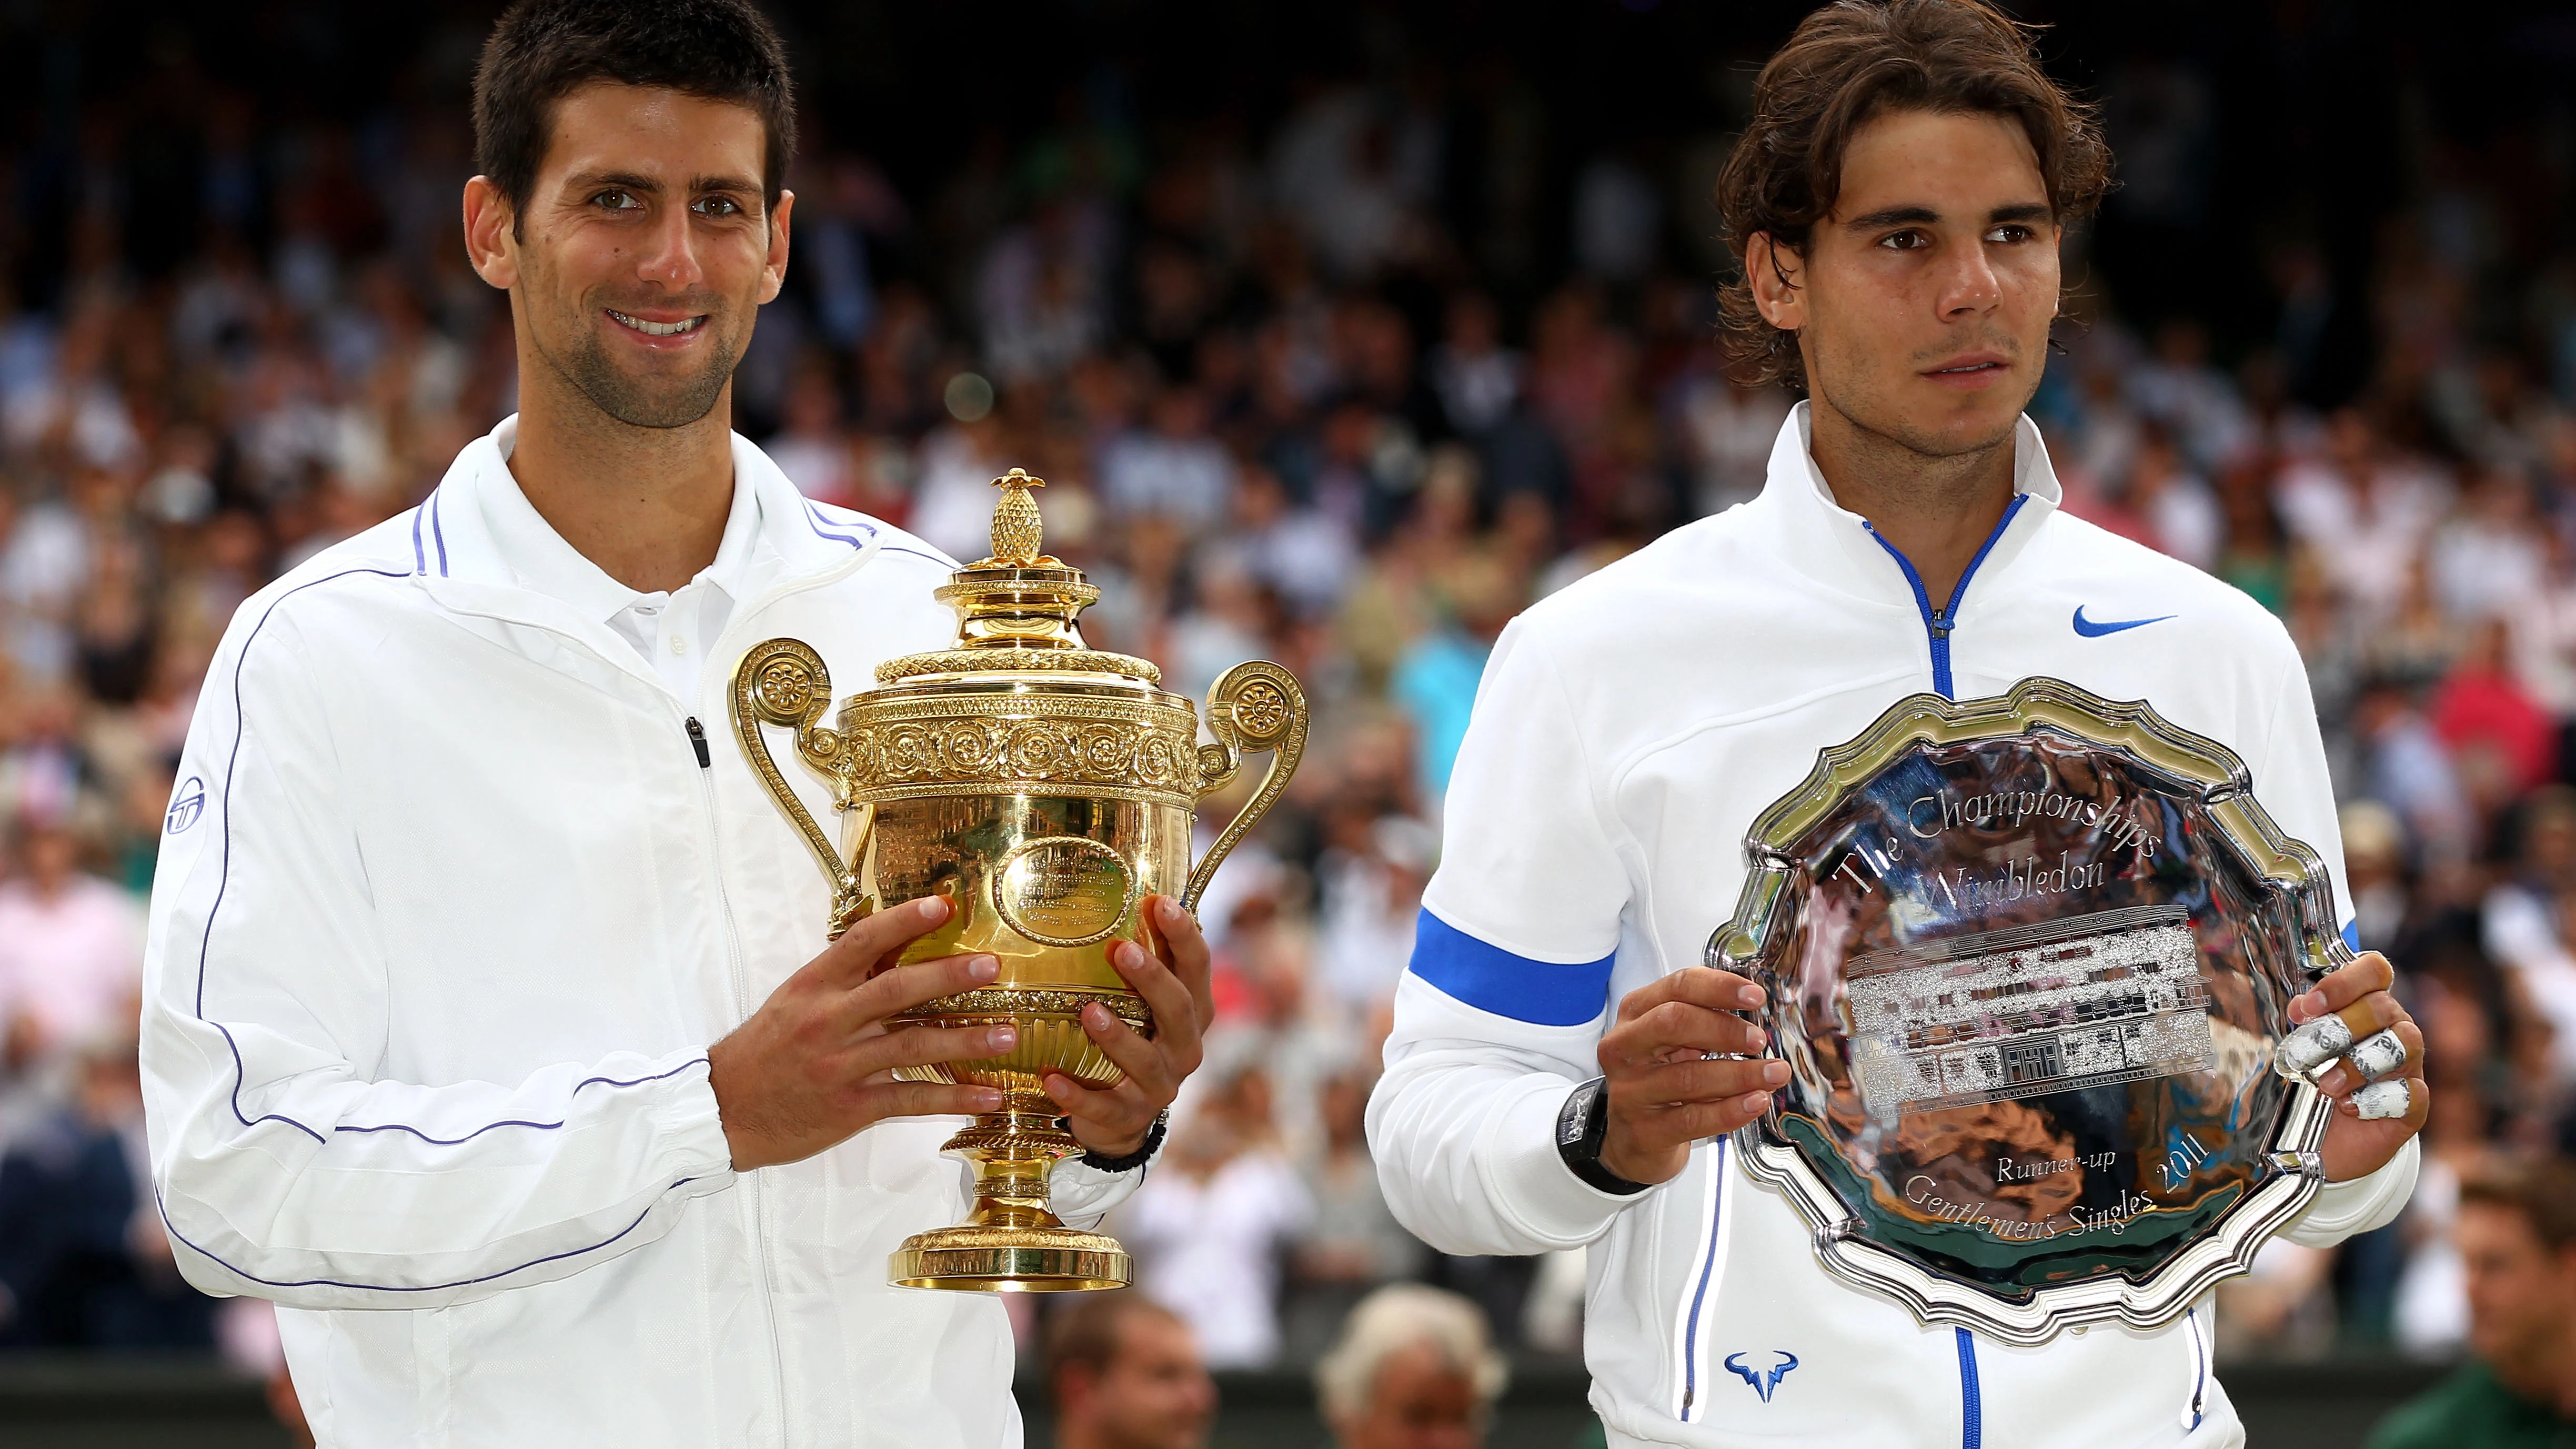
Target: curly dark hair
x,y
543,50
1846,64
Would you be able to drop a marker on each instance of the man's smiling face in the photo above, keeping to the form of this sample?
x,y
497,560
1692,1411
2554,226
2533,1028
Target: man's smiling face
x,y
1923,302
644,251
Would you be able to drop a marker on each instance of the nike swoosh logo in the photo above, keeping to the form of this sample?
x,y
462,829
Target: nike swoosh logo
x,y
2091,630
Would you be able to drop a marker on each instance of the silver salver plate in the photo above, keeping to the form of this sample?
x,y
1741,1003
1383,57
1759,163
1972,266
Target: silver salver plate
x,y
2028,958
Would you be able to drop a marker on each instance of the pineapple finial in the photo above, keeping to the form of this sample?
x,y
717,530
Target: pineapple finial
x,y
1016,531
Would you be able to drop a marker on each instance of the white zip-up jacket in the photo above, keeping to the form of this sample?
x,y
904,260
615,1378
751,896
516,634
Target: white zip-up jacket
x,y
450,905
1627,732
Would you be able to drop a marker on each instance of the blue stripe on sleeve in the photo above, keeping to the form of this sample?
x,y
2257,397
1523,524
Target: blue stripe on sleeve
x,y
1489,978
2352,934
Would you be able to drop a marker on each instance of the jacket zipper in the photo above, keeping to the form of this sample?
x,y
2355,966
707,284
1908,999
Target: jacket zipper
x,y
1699,1294
1937,623
1972,1398
740,976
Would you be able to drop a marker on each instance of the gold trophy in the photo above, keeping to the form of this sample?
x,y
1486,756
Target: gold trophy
x,y
1045,788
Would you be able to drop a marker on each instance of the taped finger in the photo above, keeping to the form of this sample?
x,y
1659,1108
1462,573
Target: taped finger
x,y
2377,1056
2385,1101
2303,1051
2312,1046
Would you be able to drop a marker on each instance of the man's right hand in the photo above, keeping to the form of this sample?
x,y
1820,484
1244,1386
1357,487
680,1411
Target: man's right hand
x,y
1666,1091
815,1063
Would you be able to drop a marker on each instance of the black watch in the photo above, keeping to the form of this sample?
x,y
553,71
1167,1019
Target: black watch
x,y
1133,1160
1580,1125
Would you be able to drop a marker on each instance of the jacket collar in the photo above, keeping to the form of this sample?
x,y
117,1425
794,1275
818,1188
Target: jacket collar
x,y
1832,544
481,547
526,550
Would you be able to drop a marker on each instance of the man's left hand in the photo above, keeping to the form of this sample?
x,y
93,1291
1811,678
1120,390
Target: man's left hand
x,y
1173,979
2357,1146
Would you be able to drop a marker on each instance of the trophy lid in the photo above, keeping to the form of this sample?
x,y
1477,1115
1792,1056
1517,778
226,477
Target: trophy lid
x,y
1017,607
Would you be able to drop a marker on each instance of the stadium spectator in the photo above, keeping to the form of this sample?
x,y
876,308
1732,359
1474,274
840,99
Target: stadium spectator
x,y
1353,1244
1212,1220
71,949
1414,1369
1125,1374
2516,1236
246,1338
83,1260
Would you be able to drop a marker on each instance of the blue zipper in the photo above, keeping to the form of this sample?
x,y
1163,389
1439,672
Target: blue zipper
x,y
1937,623
1972,1408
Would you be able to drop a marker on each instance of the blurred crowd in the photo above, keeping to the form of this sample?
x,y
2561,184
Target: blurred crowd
x,y
1294,399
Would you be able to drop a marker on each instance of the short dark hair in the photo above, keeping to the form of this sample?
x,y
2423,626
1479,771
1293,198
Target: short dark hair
x,y
543,50
1847,64
1085,1334
2542,1189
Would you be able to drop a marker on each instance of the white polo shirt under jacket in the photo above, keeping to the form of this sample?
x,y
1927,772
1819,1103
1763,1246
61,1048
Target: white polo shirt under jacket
x,y
433,973
1627,733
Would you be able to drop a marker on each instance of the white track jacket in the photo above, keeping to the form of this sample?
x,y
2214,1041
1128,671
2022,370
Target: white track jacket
x,y
1627,732
450,904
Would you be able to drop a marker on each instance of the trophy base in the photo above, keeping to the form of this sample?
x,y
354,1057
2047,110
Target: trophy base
x,y
1011,1243
1009,1260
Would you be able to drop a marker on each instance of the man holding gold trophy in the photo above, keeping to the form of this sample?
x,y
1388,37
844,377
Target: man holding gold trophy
x,y
499,1025
1897,927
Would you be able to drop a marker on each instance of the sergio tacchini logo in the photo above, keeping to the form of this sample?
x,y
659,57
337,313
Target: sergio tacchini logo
x,y
186,806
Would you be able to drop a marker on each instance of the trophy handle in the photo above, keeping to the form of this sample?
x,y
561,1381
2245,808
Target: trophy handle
x,y
1254,706
784,682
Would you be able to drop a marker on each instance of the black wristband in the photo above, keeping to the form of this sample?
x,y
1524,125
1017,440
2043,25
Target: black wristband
x,y
1581,1125
1133,1160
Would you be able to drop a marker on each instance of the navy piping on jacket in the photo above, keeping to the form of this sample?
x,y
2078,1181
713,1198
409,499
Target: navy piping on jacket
x,y
815,519
232,762
2199,1365
205,944
397,1287
516,1122
419,556
818,519
1937,623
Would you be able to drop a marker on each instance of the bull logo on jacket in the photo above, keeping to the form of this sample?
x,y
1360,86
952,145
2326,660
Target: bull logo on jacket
x,y
1763,1381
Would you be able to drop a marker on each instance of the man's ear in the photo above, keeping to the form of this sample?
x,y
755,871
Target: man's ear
x,y
490,242
774,272
1772,271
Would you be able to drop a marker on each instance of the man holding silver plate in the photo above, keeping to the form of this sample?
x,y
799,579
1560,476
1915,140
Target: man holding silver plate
x,y
1937,979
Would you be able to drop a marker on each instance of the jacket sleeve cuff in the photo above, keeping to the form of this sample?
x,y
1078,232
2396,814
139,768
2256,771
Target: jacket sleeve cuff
x,y
691,1129
2342,1209
1529,1182
1080,1194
